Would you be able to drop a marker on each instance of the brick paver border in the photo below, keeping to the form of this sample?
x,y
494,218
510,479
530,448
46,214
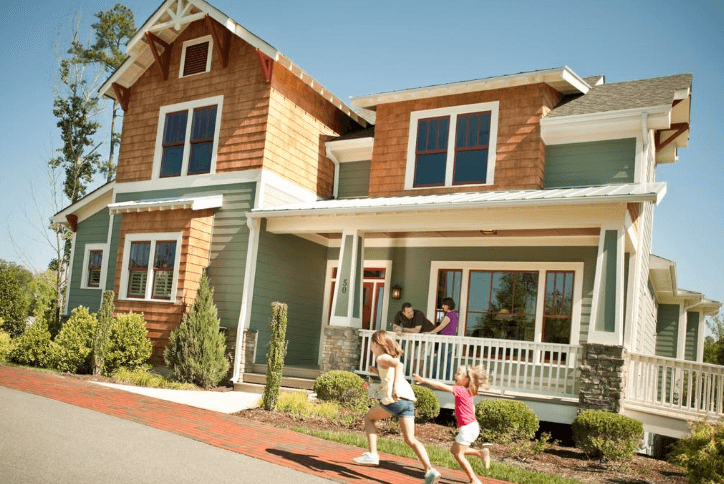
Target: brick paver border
x,y
291,449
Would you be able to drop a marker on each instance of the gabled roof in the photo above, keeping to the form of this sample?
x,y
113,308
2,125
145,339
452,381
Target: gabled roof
x,y
644,93
171,19
563,79
632,192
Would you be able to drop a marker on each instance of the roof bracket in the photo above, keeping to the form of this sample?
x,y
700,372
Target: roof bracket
x,y
72,221
225,46
266,65
679,127
163,60
123,94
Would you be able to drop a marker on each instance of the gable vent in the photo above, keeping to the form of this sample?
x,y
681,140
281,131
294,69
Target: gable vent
x,y
196,57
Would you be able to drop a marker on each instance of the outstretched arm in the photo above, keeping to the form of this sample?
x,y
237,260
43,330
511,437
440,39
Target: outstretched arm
x,y
434,384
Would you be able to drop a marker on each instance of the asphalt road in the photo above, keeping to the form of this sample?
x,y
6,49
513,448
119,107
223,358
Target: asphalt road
x,y
46,441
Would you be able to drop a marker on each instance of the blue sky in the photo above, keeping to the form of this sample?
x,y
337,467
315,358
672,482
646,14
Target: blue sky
x,y
357,48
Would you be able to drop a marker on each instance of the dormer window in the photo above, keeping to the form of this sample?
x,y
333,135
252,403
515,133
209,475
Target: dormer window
x,y
196,56
187,138
452,146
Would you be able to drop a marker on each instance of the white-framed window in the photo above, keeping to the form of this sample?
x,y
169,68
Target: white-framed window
x,y
187,138
525,301
196,56
150,266
452,146
94,266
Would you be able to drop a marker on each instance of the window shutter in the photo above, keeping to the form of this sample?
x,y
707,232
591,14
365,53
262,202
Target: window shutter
x,y
196,56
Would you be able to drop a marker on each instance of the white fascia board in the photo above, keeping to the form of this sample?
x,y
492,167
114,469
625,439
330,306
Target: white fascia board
x,y
558,75
608,125
83,203
352,149
115,77
195,203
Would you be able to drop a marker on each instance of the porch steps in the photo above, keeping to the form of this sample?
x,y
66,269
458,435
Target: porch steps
x,y
293,379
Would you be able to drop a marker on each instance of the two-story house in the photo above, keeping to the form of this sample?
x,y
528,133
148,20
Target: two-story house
x,y
526,198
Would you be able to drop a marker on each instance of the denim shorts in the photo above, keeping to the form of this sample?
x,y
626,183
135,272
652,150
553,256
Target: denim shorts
x,y
400,408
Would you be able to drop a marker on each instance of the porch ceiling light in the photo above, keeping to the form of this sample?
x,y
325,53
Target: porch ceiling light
x,y
489,232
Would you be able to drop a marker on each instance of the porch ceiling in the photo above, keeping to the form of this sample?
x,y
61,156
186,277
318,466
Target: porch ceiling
x,y
575,232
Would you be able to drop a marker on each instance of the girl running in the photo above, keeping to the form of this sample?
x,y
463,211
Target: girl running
x,y
398,400
467,382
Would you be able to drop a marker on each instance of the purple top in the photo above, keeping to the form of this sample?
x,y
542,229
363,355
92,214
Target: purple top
x,y
452,327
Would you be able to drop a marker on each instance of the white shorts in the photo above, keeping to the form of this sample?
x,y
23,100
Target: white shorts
x,y
467,434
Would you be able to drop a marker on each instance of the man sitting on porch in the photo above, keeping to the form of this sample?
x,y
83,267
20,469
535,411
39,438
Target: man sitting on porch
x,y
409,320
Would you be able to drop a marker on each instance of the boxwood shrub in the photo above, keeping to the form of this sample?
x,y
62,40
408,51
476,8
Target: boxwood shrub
x,y
702,453
504,421
5,345
128,345
340,386
606,435
73,347
33,347
427,406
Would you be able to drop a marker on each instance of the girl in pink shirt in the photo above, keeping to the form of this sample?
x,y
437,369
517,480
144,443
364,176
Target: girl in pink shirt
x,y
467,382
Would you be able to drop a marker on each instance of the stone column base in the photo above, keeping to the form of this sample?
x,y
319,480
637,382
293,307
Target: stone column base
x,y
340,349
602,384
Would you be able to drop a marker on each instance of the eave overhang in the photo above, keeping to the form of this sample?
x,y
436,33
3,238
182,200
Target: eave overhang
x,y
90,204
562,79
192,203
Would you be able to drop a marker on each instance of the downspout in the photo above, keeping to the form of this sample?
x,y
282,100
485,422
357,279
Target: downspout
x,y
334,159
247,294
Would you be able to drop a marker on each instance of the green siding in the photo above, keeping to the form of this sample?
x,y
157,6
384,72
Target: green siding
x,y
667,330
93,230
692,335
290,270
229,241
411,269
592,163
354,179
606,315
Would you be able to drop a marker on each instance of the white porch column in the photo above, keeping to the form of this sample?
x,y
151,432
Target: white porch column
x,y
607,315
681,335
347,303
700,338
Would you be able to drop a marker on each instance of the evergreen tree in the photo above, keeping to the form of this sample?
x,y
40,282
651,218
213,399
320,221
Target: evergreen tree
x,y
275,356
15,285
100,339
196,349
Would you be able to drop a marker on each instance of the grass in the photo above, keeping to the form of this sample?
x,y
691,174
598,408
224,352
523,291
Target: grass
x,y
441,457
144,378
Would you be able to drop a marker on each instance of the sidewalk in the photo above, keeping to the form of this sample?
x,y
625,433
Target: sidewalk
x,y
258,440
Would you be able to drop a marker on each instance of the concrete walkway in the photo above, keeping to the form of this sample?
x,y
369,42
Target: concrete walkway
x,y
296,451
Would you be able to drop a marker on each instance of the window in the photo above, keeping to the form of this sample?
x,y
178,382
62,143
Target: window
x,y
94,273
523,301
452,146
154,258
187,138
196,56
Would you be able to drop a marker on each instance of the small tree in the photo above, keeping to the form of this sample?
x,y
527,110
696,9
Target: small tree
x,y
14,297
100,339
276,354
196,349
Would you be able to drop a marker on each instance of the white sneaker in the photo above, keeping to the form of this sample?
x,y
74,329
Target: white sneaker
x,y
432,477
367,459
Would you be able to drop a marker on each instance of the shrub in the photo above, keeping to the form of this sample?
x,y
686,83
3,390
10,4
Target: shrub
x,y
504,421
73,348
128,345
702,453
275,355
33,347
143,378
427,406
340,386
606,435
6,345
14,297
298,404
100,338
196,349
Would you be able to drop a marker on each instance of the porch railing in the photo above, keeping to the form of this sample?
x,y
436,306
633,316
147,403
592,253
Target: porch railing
x,y
519,366
684,387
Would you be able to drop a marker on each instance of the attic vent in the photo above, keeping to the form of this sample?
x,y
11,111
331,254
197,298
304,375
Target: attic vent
x,y
196,59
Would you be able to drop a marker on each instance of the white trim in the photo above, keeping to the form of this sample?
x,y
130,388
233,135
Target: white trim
x,y
247,294
176,182
192,203
540,267
349,320
681,335
368,264
69,273
614,338
453,112
104,266
492,241
700,338
290,188
153,238
209,55
188,106
82,203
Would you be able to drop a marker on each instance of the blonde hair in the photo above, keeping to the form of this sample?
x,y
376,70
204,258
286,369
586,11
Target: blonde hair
x,y
387,343
477,378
